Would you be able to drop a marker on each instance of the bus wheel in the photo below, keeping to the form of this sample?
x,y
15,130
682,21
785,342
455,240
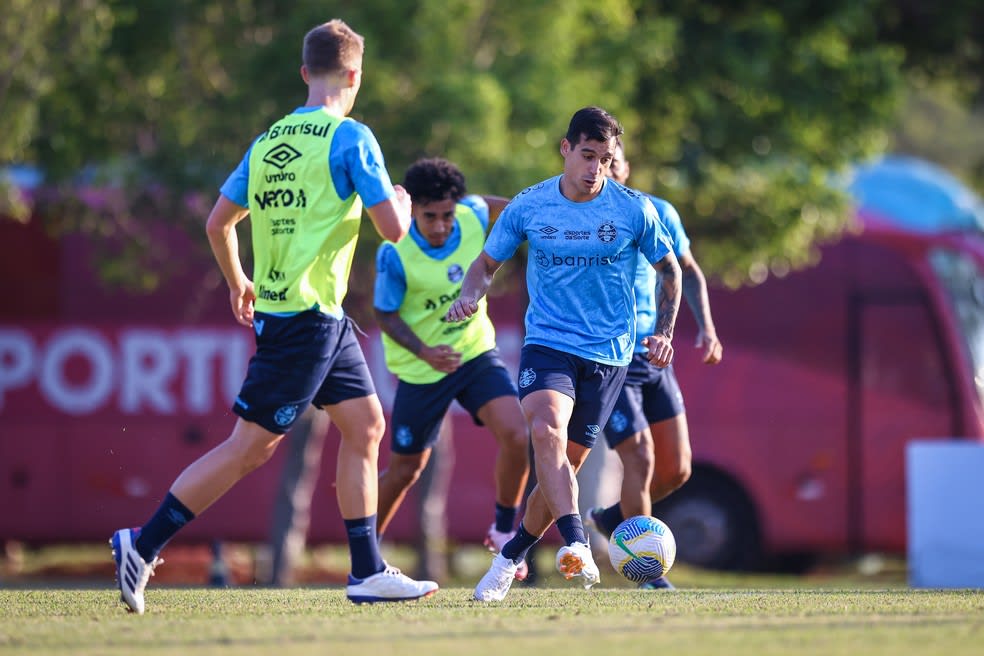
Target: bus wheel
x,y
713,523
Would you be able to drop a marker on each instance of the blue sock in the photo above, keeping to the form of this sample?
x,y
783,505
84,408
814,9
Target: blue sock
x,y
516,549
505,517
571,529
364,547
611,517
171,515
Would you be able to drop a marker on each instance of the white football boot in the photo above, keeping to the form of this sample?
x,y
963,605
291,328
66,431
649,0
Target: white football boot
x,y
495,584
132,572
495,541
576,560
389,585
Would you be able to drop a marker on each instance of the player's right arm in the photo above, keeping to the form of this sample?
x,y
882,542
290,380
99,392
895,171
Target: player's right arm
x,y
476,284
442,357
222,237
392,216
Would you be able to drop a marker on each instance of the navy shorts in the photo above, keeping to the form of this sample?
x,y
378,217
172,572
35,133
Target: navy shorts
x,y
304,358
649,395
593,386
419,408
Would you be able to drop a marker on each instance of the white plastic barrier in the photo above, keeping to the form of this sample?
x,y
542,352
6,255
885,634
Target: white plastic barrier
x,y
945,489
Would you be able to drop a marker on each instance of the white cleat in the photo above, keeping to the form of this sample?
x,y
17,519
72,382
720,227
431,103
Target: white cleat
x,y
495,584
132,572
495,541
389,585
576,560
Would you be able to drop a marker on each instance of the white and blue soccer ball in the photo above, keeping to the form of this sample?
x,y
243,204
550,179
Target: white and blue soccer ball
x,y
642,548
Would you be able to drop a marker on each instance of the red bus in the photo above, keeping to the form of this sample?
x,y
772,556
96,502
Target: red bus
x,y
799,435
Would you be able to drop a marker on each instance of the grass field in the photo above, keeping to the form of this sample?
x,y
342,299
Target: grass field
x,y
843,611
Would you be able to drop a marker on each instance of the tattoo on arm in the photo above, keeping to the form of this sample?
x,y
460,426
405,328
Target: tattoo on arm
x,y
667,296
398,330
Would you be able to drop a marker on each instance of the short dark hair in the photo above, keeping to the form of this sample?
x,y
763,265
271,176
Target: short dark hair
x,y
434,179
332,47
592,123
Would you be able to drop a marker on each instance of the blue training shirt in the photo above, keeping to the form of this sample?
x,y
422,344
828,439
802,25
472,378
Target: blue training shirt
x,y
645,279
355,161
582,265
391,280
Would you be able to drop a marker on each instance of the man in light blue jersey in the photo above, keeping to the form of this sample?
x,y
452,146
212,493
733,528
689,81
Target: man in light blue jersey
x,y
586,235
438,362
648,426
302,183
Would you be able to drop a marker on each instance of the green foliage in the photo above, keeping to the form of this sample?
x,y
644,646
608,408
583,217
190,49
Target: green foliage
x,y
735,112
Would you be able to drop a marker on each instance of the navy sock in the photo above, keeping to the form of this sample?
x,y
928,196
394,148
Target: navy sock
x,y
516,549
611,517
571,529
364,547
505,517
171,515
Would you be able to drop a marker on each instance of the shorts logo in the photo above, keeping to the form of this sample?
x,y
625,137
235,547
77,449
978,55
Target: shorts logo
x,y
285,415
618,421
526,377
592,430
607,232
455,273
404,437
281,156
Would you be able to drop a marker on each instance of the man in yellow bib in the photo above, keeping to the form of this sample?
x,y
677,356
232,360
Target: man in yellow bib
x,y
302,183
436,361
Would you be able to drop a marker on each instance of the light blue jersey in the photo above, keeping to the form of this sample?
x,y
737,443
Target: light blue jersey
x,y
391,279
645,279
582,265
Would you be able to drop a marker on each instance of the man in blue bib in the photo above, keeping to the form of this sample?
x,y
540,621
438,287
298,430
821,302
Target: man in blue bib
x,y
438,362
586,236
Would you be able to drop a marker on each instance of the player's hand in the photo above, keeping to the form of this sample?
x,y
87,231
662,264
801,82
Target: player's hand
x,y
242,300
713,350
660,350
402,198
442,357
461,309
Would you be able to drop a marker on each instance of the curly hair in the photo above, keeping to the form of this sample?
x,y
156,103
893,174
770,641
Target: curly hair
x,y
434,179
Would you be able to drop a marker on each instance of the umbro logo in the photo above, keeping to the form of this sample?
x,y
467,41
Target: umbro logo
x,y
281,156
548,230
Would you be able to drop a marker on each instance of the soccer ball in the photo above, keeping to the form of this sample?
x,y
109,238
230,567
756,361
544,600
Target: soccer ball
x,y
642,548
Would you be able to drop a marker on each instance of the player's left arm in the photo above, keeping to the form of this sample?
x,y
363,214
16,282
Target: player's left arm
x,y
695,291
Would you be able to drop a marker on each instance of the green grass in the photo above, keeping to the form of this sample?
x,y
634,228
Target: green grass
x,y
250,621
853,607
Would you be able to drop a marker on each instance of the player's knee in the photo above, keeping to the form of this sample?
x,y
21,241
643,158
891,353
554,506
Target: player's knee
x,y
255,453
406,472
544,435
376,430
515,439
668,479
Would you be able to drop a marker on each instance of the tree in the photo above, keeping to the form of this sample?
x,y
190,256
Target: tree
x,y
738,113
